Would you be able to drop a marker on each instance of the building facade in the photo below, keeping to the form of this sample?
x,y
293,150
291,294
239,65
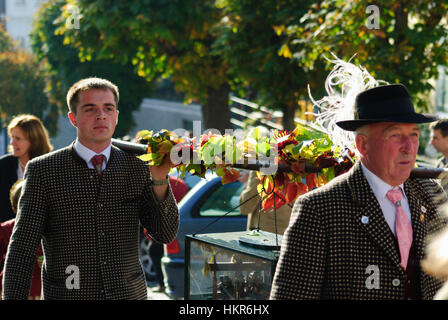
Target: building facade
x,y
18,16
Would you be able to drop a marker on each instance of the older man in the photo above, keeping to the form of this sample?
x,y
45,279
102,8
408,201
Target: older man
x,y
85,203
361,236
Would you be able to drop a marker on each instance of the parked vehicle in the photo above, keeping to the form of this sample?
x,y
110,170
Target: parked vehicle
x,y
208,200
145,242
145,258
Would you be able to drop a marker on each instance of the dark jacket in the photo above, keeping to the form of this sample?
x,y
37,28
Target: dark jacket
x,y
338,235
8,176
89,227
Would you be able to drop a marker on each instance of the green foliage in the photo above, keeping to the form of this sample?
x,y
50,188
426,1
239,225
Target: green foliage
x,y
255,50
172,38
6,42
407,48
22,86
64,67
273,48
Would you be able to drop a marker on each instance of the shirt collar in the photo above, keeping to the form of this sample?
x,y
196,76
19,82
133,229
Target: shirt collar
x,y
379,187
87,154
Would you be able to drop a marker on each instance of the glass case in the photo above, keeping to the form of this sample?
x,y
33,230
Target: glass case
x,y
230,266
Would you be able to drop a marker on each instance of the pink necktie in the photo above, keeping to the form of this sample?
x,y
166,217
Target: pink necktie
x,y
403,226
97,162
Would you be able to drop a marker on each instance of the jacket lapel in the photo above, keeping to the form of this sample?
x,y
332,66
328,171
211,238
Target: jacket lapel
x,y
370,217
418,211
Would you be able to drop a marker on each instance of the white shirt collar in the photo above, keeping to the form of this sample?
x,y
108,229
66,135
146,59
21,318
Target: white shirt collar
x,y
379,187
87,154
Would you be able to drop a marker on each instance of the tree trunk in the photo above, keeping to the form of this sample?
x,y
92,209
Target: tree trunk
x,y
401,24
288,117
216,111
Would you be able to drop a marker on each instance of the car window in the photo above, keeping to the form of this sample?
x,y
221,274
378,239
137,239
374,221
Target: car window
x,y
222,200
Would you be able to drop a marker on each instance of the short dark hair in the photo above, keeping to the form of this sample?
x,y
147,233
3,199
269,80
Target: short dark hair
x,y
441,125
86,84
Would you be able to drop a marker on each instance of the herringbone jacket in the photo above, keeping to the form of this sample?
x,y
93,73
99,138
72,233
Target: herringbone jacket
x,y
338,234
86,225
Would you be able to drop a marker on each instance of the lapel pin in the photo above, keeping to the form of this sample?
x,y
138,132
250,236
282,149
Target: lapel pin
x,y
422,217
423,209
365,219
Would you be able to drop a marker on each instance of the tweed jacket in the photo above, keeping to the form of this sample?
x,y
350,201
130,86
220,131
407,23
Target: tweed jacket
x,y
338,237
89,227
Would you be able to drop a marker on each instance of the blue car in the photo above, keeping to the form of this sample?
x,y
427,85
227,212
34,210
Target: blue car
x,y
204,203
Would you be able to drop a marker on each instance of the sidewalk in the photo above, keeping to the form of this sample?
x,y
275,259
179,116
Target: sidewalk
x,y
156,295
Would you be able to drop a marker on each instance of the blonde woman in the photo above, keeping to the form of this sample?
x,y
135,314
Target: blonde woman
x,y
29,139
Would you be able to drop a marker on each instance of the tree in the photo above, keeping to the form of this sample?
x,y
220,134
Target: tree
x,y
172,37
64,68
22,86
396,41
253,45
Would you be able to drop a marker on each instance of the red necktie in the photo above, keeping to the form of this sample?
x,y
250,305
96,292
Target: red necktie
x,y
403,226
97,162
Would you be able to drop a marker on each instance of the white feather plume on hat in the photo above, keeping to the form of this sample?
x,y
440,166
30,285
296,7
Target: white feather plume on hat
x,y
343,84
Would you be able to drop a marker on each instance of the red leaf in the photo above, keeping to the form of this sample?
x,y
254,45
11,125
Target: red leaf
x,y
303,188
230,175
311,181
268,203
279,201
292,190
298,167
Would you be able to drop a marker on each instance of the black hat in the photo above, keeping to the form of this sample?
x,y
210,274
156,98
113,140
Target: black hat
x,y
389,103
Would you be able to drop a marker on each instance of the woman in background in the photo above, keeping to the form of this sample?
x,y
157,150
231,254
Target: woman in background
x,y
29,139
5,235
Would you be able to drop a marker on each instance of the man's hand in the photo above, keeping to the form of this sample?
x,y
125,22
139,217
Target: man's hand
x,y
160,173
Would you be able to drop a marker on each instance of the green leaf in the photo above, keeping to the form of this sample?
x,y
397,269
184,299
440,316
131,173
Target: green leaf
x,y
329,173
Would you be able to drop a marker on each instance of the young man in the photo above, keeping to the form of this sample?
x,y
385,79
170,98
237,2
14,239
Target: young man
x,y
85,203
439,140
361,236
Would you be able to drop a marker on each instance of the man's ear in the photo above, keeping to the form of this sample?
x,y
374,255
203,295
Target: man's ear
x,y
361,143
72,118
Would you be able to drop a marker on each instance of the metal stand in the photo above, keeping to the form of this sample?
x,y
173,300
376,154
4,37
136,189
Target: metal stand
x,y
262,240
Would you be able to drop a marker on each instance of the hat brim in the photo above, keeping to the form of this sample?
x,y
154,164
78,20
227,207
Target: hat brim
x,y
352,125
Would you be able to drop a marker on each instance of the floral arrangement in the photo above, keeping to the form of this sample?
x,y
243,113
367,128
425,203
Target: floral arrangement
x,y
306,156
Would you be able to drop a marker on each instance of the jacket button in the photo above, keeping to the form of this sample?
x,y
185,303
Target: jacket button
x,y
396,282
